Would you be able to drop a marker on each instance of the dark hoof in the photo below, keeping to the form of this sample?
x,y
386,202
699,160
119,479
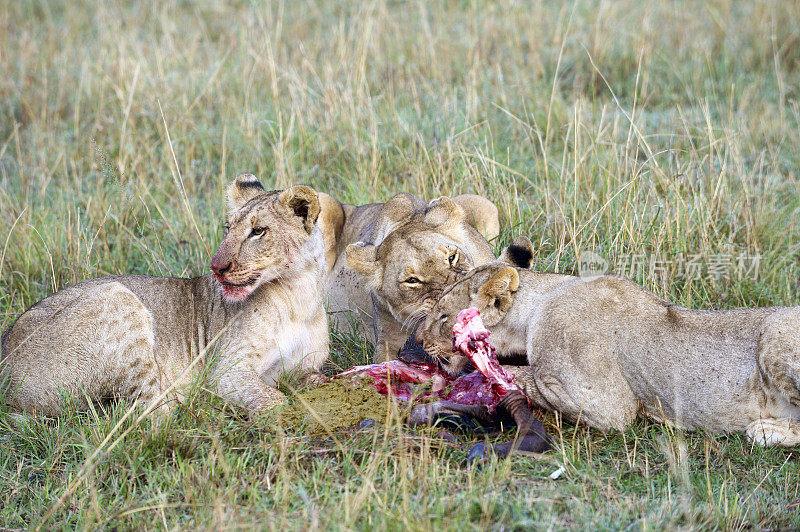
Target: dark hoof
x,y
421,415
477,454
531,443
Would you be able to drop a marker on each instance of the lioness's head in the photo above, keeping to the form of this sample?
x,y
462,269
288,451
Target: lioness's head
x,y
264,232
490,288
420,253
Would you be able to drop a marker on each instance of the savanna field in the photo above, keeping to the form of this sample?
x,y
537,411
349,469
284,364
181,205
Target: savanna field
x,y
659,134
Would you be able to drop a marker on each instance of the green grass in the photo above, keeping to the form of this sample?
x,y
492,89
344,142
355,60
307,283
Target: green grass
x,y
666,129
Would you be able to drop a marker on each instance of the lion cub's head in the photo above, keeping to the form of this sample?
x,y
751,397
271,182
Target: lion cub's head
x,y
264,233
490,288
417,254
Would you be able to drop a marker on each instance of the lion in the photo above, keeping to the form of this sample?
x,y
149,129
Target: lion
x,y
604,351
390,261
258,314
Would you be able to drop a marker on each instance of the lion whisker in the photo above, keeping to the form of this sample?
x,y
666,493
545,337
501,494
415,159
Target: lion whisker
x,y
414,320
416,310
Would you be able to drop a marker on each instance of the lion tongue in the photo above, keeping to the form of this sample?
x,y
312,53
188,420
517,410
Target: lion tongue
x,y
471,338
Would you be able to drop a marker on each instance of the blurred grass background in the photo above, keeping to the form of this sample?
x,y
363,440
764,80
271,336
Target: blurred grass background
x,y
660,128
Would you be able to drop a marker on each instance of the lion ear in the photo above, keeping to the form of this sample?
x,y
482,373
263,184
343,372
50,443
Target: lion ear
x,y
497,294
303,202
331,222
400,207
481,214
443,211
395,212
362,259
242,189
519,253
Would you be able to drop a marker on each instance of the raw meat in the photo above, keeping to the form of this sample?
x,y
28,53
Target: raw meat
x,y
423,382
399,379
472,339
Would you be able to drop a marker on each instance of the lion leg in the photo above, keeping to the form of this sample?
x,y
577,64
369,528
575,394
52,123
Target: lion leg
x,y
784,432
90,344
312,355
316,353
240,384
600,407
779,363
779,355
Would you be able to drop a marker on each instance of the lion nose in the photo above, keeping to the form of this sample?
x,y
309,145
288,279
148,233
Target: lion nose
x,y
220,267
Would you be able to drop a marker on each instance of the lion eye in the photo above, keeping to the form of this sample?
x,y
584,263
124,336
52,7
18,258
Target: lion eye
x,y
258,231
453,258
412,280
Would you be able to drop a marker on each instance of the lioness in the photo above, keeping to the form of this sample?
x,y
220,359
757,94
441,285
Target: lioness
x,y
604,350
259,314
391,260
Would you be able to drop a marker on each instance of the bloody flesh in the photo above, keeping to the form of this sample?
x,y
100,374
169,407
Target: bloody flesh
x,y
426,382
398,379
472,339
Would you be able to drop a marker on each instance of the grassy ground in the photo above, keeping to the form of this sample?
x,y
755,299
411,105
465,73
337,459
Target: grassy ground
x,y
662,133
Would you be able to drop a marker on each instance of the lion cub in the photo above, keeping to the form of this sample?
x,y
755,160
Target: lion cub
x,y
604,350
259,314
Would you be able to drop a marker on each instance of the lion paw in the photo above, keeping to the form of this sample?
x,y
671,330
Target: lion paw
x,y
767,432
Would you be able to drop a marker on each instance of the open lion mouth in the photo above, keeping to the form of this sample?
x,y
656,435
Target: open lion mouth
x,y
237,291
249,282
246,283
